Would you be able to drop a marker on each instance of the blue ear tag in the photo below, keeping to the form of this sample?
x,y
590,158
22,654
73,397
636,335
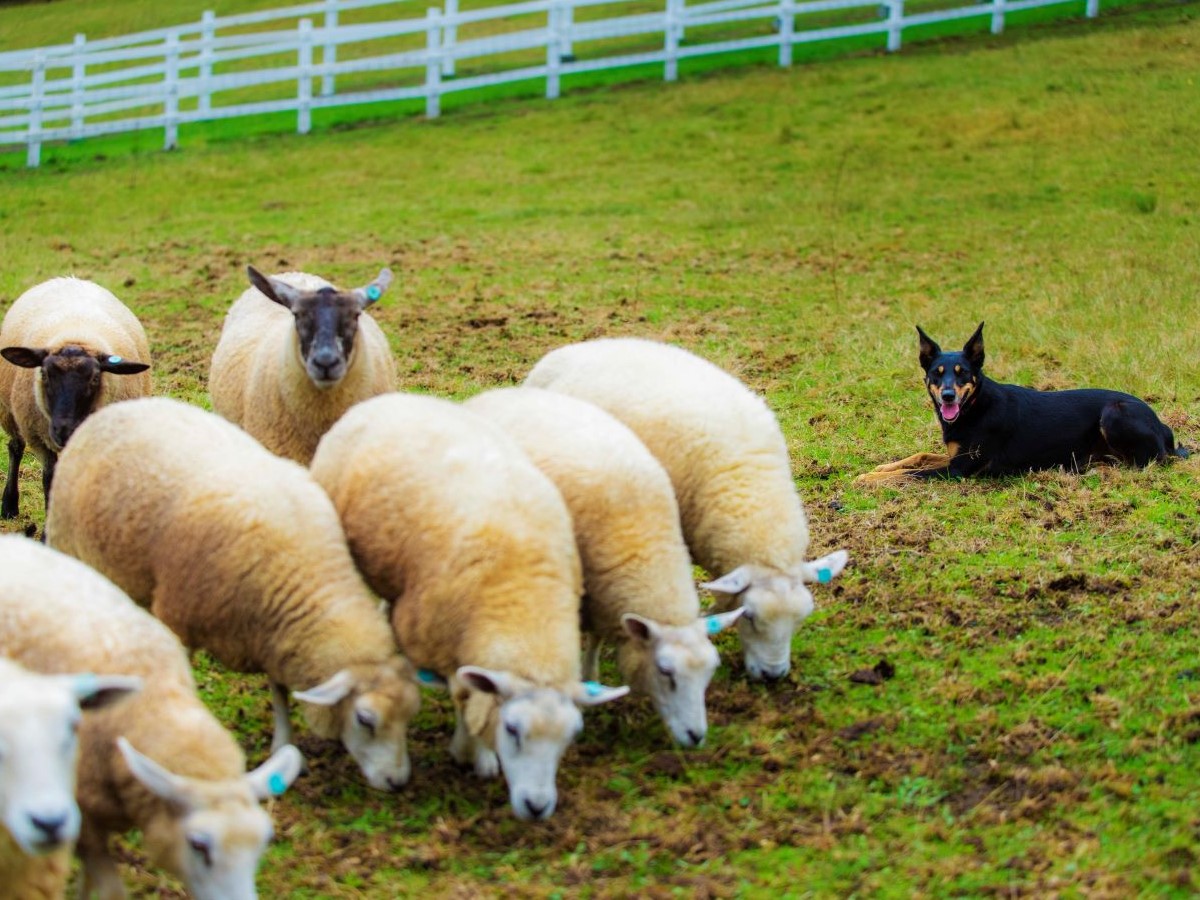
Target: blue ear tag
x,y
275,784
713,624
374,292
593,688
86,684
427,676
115,360
824,575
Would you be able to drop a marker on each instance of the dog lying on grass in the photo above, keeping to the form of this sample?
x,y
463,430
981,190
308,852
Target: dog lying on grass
x,y
1004,429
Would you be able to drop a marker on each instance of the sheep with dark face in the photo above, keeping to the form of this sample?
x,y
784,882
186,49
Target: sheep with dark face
x,y
295,353
63,340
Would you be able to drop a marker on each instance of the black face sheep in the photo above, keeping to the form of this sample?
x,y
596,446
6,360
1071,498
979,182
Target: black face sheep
x,y
473,547
728,462
185,786
241,553
295,353
637,576
70,347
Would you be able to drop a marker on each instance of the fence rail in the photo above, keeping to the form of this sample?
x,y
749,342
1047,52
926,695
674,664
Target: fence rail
x,y
216,69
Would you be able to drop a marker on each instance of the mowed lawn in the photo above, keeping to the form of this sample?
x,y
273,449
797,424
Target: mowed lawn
x,y
1041,733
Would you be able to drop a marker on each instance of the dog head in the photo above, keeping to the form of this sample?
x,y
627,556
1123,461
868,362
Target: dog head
x,y
952,378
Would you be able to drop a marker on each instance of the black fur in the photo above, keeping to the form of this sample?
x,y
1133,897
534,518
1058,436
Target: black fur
x,y
1004,429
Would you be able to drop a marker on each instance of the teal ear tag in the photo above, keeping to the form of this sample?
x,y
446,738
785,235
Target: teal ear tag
x,y
276,785
427,676
374,292
86,684
593,688
824,575
713,625
115,360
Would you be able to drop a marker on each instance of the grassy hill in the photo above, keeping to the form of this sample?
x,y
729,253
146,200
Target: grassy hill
x,y
1040,733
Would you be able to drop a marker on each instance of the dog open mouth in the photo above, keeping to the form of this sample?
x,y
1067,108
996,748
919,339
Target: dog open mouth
x,y
950,411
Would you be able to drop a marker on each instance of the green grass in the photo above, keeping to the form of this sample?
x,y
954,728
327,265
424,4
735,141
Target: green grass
x,y
1040,734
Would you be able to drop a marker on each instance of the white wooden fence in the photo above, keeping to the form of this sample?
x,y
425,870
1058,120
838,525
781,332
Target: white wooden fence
x,y
232,66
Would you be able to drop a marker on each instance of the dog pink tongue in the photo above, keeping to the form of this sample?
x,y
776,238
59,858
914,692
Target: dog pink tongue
x,y
950,411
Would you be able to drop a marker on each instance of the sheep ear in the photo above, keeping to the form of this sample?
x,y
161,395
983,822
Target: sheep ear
x,y
120,366
640,628
733,583
488,681
328,692
826,568
373,291
274,776
158,780
592,693
274,289
99,691
25,357
717,623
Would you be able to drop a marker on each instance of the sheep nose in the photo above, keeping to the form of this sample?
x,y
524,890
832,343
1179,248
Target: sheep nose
x,y
774,673
536,809
50,826
394,784
696,737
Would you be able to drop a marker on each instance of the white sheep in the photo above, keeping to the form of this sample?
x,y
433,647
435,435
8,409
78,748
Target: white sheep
x,y
728,462
637,575
65,338
241,553
39,749
472,546
294,354
189,794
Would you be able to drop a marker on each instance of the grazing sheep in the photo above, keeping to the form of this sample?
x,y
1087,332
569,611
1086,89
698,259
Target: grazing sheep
x,y
637,575
295,353
39,721
190,795
241,553
472,545
728,462
63,337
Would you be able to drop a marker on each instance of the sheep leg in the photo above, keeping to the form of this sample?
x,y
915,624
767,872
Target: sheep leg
x,y
591,657
283,724
100,875
49,461
8,505
469,750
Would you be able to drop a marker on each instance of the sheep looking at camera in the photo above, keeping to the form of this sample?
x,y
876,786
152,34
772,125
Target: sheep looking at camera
x,y
71,347
294,354
185,786
473,547
637,575
39,749
240,553
728,463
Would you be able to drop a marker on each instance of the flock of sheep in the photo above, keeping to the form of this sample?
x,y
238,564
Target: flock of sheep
x,y
508,537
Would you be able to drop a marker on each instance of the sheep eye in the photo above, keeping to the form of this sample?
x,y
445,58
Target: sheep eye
x,y
366,720
514,732
748,618
201,847
668,673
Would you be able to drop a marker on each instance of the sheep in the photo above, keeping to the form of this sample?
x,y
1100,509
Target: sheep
x,y
62,337
637,575
728,462
287,369
472,547
185,786
240,553
39,749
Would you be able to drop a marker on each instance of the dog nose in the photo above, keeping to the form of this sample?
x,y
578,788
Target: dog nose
x,y
948,395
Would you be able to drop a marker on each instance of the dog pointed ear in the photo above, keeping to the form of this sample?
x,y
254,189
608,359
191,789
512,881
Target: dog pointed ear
x,y
973,349
928,348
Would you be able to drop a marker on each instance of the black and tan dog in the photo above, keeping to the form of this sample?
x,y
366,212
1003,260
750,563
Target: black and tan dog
x,y
1003,429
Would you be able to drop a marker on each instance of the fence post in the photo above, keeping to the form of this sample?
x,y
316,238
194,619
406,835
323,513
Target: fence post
x,y
566,21
997,16
449,38
171,86
433,63
329,51
553,51
207,33
787,28
78,72
895,24
670,26
304,58
1093,8
37,90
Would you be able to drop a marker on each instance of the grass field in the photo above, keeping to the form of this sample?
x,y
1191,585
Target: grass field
x,y
1041,735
